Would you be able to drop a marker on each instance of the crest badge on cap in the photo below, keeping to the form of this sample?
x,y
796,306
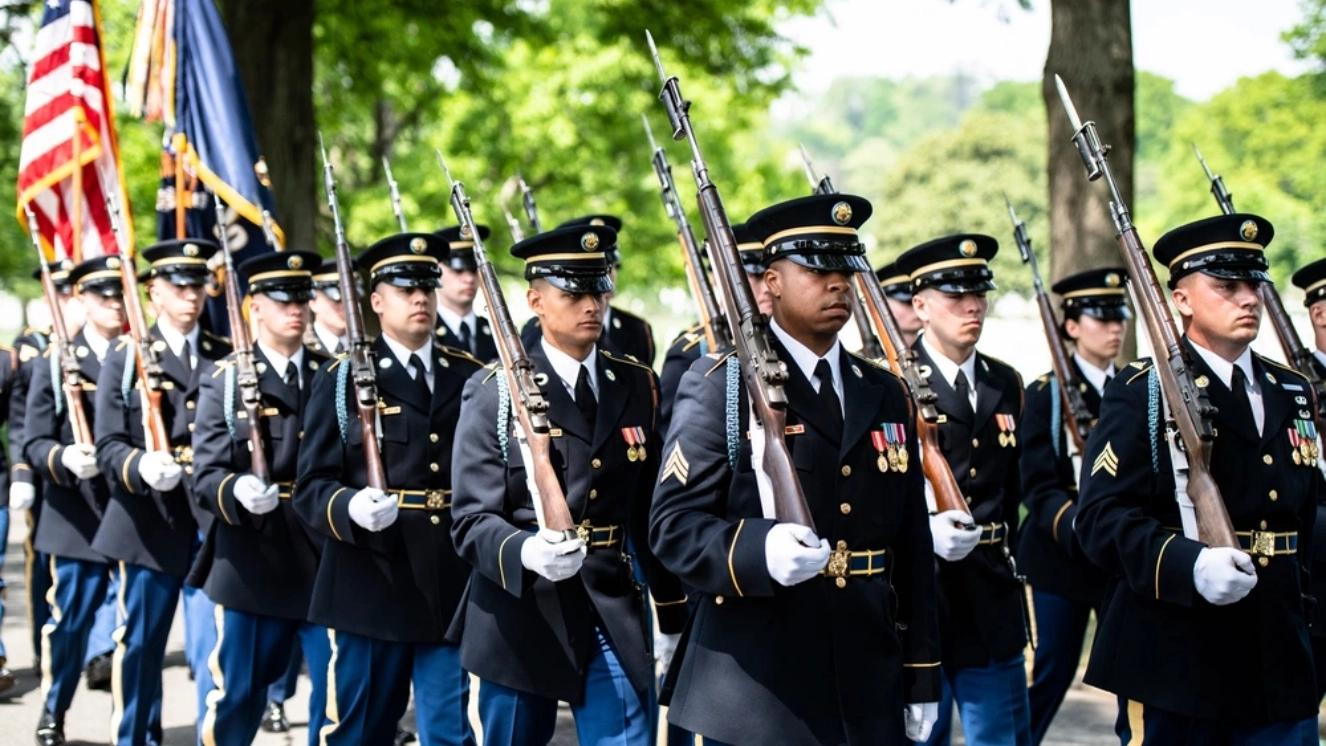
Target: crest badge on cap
x,y
417,245
112,262
1248,230
842,213
589,241
967,248
1113,280
466,233
190,249
295,262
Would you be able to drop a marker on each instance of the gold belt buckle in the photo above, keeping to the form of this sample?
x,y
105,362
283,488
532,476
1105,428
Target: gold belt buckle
x,y
435,499
583,532
837,567
1263,543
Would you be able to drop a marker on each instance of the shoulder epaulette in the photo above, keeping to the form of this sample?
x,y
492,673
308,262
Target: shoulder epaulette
x,y
221,366
869,361
1282,366
1043,381
1141,366
458,353
628,359
720,359
124,342
217,337
339,358
492,369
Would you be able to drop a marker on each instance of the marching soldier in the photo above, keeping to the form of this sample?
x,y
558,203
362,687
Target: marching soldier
x,y
150,526
1312,279
389,580
74,493
1066,586
686,348
8,362
897,287
1207,644
259,561
798,638
326,335
982,617
624,333
457,324
550,618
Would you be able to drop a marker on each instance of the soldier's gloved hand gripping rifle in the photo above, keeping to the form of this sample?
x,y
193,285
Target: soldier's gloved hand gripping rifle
x,y
527,401
765,375
360,357
1190,430
246,372
1299,357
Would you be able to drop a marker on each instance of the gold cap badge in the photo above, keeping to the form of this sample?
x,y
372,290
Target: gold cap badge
x,y
295,262
1248,230
1113,280
418,244
589,241
112,263
190,249
967,248
842,213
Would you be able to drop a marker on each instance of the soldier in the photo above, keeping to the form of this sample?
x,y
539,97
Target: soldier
x,y
897,288
1312,279
852,609
1066,586
550,618
326,334
457,324
259,560
150,526
74,494
389,580
982,615
8,363
624,333
686,348
1207,644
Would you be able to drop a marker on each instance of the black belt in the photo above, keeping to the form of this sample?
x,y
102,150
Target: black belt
x,y
844,563
993,533
422,499
285,490
1268,543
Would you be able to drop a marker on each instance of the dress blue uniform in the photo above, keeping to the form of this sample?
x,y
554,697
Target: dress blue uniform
x,y
258,569
388,596
477,341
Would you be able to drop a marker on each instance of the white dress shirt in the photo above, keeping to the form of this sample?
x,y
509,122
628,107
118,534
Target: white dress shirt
x,y
805,359
1095,376
280,362
567,368
403,353
176,341
454,320
329,341
1224,370
96,342
949,369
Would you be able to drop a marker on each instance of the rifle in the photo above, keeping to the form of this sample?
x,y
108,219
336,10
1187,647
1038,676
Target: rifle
x,y
716,334
246,373
1069,390
1189,409
71,378
1298,355
531,209
517,233
764,374
148,362
360,356
395,195
531,408
870,344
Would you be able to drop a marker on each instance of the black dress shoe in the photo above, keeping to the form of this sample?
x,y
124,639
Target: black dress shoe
x,y
7,679
273,721
50,732
403,736
98,673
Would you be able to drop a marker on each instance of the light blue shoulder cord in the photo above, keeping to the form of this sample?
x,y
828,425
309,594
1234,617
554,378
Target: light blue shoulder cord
x,y
130,368
342,414
56,388
503,417
1056,416
732,410
1153,417
228,402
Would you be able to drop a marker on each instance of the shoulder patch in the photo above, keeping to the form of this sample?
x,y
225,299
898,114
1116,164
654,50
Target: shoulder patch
x,y
720,359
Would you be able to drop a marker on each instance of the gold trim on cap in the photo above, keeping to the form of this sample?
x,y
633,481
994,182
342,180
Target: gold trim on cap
x,y
461,245
324,276
1314,286
167,261
279,273
895,280
1240,245
401,259
579,256
100,274
948,264
803,230
750,246
1092,291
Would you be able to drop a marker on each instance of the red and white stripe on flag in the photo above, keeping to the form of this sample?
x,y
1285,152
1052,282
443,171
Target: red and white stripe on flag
x,y
69,160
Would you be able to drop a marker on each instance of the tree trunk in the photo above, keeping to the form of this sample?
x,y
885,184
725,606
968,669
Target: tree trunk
x,y
1091,48
273,44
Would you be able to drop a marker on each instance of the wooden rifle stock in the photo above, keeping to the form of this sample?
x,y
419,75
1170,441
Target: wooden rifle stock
x,y
246,374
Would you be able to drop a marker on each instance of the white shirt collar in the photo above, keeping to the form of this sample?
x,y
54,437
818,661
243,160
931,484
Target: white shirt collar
x,y
567,368
453,320
1095,376
805,359
280,362
949,369
95,341
329,341
403,353
1224,369
176,341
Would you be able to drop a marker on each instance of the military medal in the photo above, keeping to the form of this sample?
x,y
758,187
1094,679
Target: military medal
x,y
1007,425
635,443
1294,443
881,445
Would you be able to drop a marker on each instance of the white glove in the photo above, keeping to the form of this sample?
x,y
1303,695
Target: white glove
x,y
21,495
80,460
256,497
665,646
159,470
1223,575
793,554
953,543
552,556
373,509
919,718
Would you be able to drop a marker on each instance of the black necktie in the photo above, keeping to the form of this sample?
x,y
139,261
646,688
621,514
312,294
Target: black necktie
x,y
829,403
963,388
420,378
186,357
466,340
1242,413
291,377
585,401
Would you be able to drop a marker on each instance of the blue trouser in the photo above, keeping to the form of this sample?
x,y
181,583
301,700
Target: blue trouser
x,y
147,606
992,704
38,576
99,640
199,637
284,687
251,653
369,688
76,594
1143,724
611,712
4,542
1061,624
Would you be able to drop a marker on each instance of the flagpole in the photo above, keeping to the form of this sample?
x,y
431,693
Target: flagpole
x,y
178,145
76,251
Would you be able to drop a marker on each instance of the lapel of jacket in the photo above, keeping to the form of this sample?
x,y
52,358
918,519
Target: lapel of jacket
x,y
393,377
802,398
445,385
562,410
171,365
613,397
988,393
950,404
1277,404
860,401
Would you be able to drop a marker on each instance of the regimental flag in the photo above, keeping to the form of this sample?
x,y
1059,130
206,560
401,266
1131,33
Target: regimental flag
x,y
69,157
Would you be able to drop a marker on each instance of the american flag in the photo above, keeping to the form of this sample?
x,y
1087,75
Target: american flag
x,y
69,161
